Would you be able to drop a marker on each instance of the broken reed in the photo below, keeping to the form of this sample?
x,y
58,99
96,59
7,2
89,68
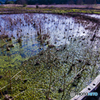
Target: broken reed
x,y
9,85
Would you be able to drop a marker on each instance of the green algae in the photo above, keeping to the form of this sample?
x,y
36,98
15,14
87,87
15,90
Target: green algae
x,y
43,74
38,77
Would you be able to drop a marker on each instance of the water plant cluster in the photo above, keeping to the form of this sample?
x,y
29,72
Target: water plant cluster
x,y
46,56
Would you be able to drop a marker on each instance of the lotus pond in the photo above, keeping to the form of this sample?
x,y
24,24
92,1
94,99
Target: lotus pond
x,y
46,56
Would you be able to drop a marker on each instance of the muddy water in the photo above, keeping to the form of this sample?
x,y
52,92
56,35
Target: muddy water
x,y
76,45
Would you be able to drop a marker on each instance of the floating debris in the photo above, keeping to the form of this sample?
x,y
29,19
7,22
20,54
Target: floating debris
x,y
37,63
9,39
51,46
24,81
79,60
10,45
8,49
87,63
60,90
92,39
1,76
7,97
3,36
19,40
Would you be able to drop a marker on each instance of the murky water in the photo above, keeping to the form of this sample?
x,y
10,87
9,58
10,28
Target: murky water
x,y
31,33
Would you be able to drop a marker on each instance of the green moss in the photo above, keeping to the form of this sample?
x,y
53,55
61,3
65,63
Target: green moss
x,y
38,78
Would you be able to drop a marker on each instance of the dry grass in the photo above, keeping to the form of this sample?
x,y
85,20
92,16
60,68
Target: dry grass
x,y
92,6
58,9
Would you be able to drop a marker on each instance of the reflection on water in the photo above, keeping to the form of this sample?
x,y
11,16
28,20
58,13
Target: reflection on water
x,y
94,15
75,47
32,33
26,26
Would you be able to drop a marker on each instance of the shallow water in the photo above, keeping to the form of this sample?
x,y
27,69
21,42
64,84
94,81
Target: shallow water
x,y
56,26
94,15
37,31
55,29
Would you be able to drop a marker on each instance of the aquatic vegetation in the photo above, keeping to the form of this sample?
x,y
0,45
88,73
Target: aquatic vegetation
x,y
45,57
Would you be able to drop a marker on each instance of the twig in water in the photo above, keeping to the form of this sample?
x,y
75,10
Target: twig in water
x,y
50,82
64,86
